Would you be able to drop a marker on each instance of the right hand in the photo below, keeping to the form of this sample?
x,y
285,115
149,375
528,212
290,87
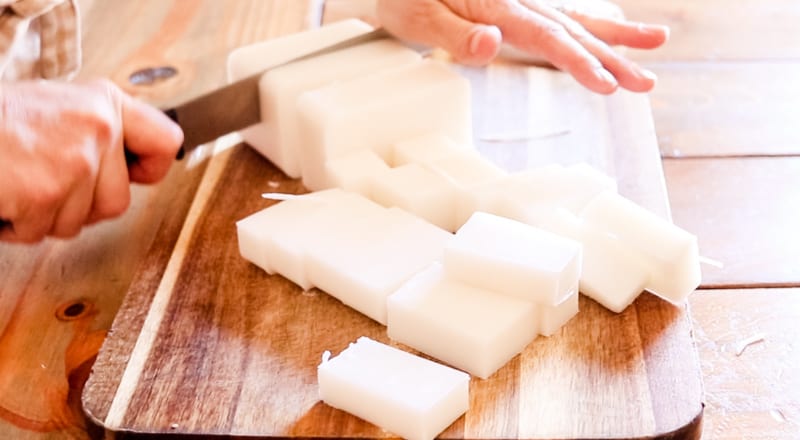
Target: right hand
x,y
62,155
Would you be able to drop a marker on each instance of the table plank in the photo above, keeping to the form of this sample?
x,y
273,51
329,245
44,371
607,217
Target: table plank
x,y
744,212
713,30
199,350
727,109
752,391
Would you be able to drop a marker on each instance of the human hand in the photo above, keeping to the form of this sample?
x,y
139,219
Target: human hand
x,y
62,155
575,42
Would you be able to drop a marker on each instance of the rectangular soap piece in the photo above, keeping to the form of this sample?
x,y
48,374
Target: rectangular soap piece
x,y
419,191
375,111
251,59
278,238
357,172
670,252
427,148
365,260
407,395
514,258
280,87
612,274
472,329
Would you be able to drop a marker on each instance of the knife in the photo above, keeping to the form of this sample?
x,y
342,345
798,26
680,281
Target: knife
x,y
238,105
239,102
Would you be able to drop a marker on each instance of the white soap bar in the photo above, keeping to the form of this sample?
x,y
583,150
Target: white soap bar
x,y
466,169
357,172
513,258
363,262
278,238
375,111
426,149
470,328
419,191
612,273
254,58
670,252
552,318
407,395
280,87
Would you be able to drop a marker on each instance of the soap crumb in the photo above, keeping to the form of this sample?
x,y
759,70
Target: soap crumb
x,y
173,426
712,262
326,356
742,345
273,184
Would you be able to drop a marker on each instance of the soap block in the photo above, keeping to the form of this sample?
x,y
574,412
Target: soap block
x,y
489,197
410,396
275,238
552,318
252,59
612,274
341,118
280,87
357,172
533,195
470,328
419,191
258,57
427,148
278,238
363,262
670,252
513,258
466,169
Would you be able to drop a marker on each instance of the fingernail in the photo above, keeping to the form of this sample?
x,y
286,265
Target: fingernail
x,y
483,36
648,74
605,76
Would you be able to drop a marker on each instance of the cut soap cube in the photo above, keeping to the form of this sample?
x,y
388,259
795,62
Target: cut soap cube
x,y
413,100
405,394
513,258
419,191
670,253
357,172
254,58
366,259
280,87
426,149
470,328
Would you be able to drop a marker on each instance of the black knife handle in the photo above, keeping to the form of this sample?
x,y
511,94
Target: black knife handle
x,y
131,158
5,224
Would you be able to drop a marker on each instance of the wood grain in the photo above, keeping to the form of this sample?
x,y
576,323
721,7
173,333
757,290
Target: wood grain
x,y
744,211
748,345
727,109
713,30
212,345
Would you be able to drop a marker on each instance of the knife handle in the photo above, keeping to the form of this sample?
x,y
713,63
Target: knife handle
x,y
131,158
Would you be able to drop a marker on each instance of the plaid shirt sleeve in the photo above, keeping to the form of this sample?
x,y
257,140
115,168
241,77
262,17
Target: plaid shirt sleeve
x,y
39,38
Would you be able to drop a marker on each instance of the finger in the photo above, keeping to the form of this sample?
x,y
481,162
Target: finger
x,y
74,213
112,188
152,137
628,74
542,36
433,23
29,228
622,32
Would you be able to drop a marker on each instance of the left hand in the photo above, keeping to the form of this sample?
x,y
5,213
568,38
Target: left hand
x,y
580,44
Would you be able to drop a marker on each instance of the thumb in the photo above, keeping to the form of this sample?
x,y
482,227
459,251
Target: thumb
x,y
433,23
152,137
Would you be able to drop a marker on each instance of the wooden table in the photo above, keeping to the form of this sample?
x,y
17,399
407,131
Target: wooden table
x,y
62,297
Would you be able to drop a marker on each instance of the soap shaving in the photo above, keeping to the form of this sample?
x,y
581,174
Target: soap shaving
x,y
284,196
742,345
523,137
712,262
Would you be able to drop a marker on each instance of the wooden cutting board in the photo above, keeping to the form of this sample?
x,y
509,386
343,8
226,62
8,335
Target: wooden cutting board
x,y
208,344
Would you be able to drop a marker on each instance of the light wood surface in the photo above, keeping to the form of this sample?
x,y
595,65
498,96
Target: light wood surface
x,y
719,49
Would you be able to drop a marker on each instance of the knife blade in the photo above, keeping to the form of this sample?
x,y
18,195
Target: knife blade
x,y
237,105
